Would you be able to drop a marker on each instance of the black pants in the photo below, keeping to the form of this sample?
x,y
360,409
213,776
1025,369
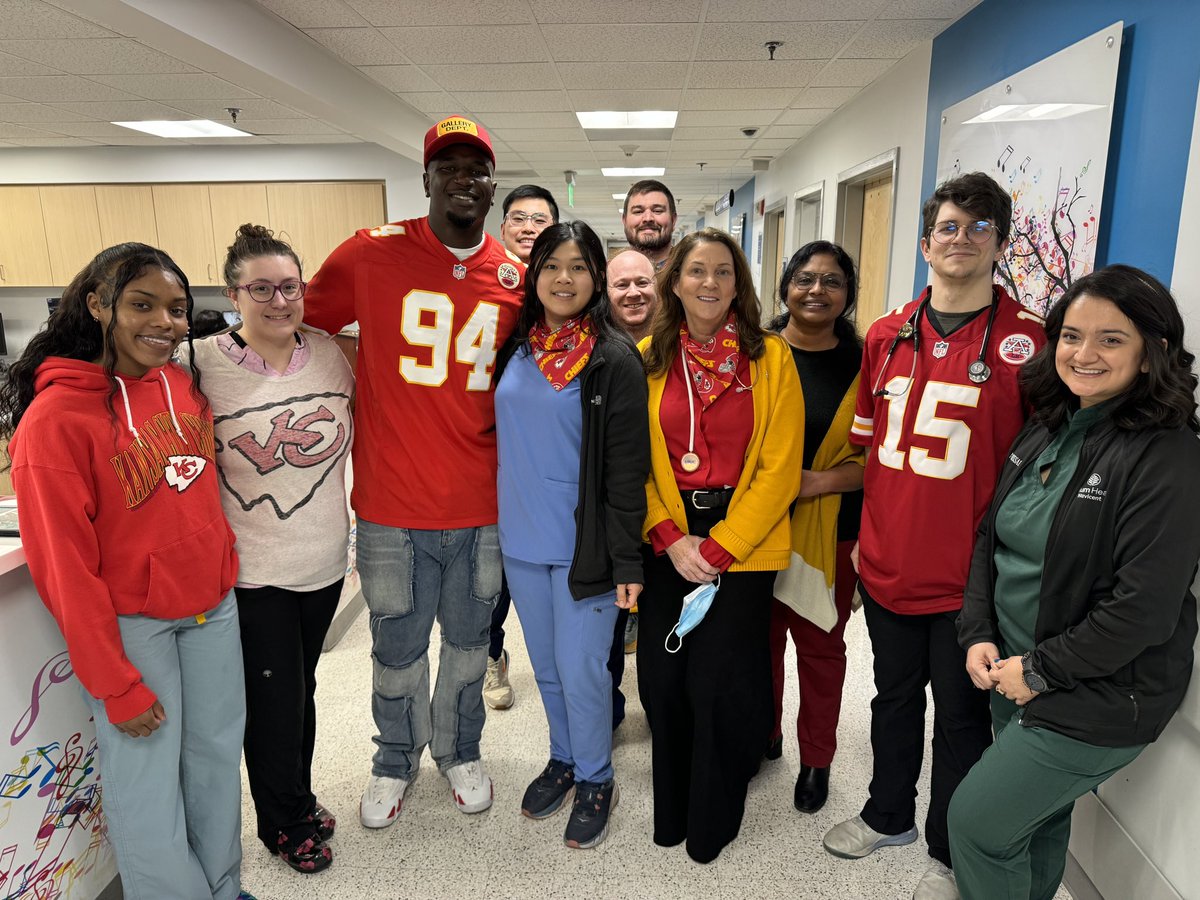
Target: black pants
x,y
499,614
709,705
616,667
282,633
911,652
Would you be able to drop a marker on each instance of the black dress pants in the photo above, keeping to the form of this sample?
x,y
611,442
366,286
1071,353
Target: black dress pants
x,y
708,705
282,633
911,652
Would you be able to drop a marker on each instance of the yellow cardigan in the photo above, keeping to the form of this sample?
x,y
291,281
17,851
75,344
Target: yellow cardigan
x,y
756,529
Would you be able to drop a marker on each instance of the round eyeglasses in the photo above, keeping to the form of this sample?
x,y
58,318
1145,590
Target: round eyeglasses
x,y
264,291
805,281
976,232
518,219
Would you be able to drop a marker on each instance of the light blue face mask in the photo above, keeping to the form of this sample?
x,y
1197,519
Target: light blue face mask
x,y
695,607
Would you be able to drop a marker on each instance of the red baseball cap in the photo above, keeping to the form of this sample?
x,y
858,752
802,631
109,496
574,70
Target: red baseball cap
x,y
457,130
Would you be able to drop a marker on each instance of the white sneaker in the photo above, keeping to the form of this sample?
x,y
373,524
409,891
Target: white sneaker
x,y
470,786
497,692
381,801
938,883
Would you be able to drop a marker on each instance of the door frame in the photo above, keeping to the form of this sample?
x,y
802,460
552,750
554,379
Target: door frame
x,y
850,186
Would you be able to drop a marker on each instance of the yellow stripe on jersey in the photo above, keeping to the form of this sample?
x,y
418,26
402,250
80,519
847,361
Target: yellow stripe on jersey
x,y
1030,314
389,230
863,427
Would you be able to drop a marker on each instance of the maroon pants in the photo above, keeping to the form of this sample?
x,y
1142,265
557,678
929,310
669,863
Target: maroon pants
x,y
820,663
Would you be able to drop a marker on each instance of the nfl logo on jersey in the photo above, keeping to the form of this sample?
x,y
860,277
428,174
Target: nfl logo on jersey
x,y
940,349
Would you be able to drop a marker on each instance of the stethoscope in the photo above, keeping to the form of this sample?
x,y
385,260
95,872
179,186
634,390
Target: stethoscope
x,y
690,461
978,371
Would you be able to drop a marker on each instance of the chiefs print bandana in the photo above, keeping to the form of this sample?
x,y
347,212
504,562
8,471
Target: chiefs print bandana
x,y
562,354
712,363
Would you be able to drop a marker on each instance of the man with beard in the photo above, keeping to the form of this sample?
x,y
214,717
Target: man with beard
x,y
435,298
528,210
649,220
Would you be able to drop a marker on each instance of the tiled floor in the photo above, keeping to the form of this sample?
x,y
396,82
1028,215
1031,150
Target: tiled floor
x,y
434,851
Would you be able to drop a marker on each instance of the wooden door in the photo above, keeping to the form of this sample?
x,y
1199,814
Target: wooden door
x,y
874,242
315,218
24,255
184,217
126,213
234,205
72,228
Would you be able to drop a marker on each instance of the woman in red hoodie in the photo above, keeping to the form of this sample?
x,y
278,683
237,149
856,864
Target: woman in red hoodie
x,y
121,522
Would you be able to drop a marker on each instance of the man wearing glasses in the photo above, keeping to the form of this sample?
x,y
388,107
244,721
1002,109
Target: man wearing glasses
x,y
435,298
938,407
528,210
649,219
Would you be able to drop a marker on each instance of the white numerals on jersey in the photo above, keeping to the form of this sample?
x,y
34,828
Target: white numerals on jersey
x,y
427,321
955,432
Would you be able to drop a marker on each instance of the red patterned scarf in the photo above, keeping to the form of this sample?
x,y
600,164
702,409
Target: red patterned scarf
x,y
712,363
562,354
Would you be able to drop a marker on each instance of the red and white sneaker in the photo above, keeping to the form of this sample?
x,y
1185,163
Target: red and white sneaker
x,y
470,786
382,801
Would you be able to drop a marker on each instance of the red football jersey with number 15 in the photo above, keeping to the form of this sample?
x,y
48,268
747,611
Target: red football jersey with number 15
x,y
429,331
936,441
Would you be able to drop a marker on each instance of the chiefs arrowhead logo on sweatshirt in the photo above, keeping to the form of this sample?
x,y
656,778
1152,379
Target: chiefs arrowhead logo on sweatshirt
x,y
181,471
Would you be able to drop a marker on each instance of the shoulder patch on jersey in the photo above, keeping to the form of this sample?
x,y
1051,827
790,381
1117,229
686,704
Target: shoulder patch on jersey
x,y
1025,313
508,275
388,230
514,257
1016,348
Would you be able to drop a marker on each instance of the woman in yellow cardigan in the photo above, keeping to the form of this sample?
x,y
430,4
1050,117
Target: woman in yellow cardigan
x,y
726,428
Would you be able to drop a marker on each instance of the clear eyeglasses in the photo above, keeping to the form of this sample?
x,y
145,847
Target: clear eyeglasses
x,y
518,219
264,291
977,232
805,281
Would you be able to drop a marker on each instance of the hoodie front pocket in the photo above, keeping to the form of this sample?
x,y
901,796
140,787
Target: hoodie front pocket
x,y
188,576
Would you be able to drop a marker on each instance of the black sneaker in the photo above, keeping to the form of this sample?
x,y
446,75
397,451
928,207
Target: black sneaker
x,y
547,792
588,825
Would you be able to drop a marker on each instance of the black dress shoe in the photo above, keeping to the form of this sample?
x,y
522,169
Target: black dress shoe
x,y
774,749
812,789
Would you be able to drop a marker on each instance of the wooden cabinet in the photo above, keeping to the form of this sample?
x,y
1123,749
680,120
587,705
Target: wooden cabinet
x,y
72,228
126,213
184,217
234,205
24,256
315,218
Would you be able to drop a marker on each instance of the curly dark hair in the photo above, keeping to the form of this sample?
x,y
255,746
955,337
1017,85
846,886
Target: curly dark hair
x,y
843,326
1163,396
71,331
978,194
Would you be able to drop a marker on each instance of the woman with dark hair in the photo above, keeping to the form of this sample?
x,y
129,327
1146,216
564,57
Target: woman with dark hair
x,y
813,595
281,403
726,417
1078,615
121,522
574,451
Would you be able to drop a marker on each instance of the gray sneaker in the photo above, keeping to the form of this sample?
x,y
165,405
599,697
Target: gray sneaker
x,y
938,883
854,839
497,692
631,631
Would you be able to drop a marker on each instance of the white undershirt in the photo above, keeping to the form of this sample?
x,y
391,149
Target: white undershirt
x,y
464,254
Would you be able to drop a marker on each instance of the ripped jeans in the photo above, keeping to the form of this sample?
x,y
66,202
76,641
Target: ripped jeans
x,y
409,578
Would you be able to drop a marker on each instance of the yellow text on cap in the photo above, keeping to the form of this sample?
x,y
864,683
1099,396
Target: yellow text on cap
x,y
457,125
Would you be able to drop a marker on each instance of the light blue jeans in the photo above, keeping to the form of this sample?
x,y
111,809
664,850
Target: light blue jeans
x,y
173,800
411,577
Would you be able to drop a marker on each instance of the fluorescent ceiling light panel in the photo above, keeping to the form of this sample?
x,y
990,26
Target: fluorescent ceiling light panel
x,y
644,118
192,128
1032,112
620,197
633,172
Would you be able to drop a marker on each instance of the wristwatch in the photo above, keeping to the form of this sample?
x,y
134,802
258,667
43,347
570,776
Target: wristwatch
x,y
1032,679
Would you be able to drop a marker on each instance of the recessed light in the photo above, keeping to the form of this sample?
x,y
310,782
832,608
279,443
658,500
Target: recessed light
x,y
643,118
620,197
191,128
633,172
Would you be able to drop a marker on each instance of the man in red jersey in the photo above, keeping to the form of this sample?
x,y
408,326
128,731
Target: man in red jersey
x,y
435,298
938,407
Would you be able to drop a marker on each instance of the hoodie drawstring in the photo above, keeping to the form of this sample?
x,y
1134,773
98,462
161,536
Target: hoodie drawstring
x,y
128,411
170,406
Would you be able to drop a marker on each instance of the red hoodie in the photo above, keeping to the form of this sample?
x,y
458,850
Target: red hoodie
x,y
119,517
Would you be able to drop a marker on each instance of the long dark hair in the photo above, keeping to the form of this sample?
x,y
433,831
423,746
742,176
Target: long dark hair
x,y
1163,396
664,336
598,307
843,325
71,331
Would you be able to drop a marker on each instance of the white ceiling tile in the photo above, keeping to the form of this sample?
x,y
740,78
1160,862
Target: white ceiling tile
x,y
698,118
737,99
251,108
435,104
801,40
927,9
314,139
520,147
423,12
273,127
851,72
683,154
574,11
359,46
22,113
510,76
792,132
62,88
769,144
470,43
791,10
20,131
824,97
620,43
617,146
116,110
108,56
35,20
14,65
89,129
525,135
795,74
699,146
893,39
512,101
584,76
625,100
807,116
528,120
729,130
53,142
133,139
401,79
175,87
224,142
314,13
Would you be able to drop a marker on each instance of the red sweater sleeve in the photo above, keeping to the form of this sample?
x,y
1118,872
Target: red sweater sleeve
x,y
329,299
663,535
716,555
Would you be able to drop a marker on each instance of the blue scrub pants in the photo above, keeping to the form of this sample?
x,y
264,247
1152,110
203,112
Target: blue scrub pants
x,y
568,641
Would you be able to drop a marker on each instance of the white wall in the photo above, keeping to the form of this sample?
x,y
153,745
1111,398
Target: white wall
x,y
890,113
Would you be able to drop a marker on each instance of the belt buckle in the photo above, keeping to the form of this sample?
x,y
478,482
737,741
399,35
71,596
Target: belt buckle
x,y
696,494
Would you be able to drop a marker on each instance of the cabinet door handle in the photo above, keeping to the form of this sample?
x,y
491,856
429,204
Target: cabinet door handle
x,y
3,274
211,278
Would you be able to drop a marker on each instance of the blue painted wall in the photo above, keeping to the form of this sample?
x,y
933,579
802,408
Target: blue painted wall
x,y
743,202
1152,117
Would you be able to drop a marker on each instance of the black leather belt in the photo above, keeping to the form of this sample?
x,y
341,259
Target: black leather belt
x,y
708,499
